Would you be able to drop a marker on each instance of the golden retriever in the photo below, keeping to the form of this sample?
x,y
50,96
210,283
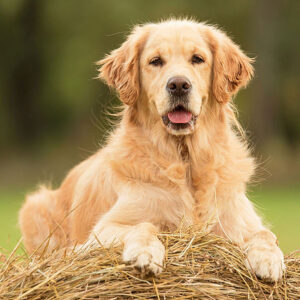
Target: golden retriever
x,y
175,157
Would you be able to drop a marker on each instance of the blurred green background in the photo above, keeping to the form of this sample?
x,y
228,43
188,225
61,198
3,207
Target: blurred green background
x,y
52,110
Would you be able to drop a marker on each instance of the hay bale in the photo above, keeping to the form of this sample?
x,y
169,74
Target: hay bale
x,y
197,265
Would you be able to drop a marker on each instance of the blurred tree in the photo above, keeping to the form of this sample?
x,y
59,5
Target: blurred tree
x,y
25,75
266,93
274,98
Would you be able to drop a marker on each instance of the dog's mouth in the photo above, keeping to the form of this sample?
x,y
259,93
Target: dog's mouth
x,y
179,115
179,118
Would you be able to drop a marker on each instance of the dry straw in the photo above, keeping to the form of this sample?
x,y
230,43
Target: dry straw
x,y
197,266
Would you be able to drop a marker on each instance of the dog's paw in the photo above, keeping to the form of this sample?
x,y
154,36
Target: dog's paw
x,y
147,259
266,262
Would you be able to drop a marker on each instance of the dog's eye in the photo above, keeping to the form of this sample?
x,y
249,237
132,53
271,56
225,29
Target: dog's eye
x,y
196,59
156,61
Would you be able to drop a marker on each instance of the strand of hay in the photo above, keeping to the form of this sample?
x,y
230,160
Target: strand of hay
x,y
197,266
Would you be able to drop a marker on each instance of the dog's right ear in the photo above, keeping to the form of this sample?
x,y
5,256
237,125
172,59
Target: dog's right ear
x,y
232,69
120,69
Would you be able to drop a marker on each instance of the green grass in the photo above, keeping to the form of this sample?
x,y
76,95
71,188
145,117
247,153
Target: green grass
x,y
280,207
10,203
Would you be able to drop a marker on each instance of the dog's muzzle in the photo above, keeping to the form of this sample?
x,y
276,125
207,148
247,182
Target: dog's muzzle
x,y
179,116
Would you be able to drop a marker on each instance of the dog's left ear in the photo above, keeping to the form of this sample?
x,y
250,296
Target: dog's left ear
x,y
120,69
232,69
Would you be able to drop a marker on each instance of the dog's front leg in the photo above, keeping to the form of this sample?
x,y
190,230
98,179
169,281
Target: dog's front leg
x,y
238,221
130,223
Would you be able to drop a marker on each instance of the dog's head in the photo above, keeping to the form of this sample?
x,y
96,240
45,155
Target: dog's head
x,y
176,67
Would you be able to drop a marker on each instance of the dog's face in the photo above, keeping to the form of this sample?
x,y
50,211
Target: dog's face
x,y
175,68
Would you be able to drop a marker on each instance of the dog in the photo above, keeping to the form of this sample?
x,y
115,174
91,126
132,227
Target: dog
x,y
175,158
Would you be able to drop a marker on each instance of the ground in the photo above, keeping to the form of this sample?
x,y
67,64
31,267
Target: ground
x,y
280,207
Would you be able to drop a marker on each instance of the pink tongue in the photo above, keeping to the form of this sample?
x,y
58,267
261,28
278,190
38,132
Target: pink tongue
x,y
180,116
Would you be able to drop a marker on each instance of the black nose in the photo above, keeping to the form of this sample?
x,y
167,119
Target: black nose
x,y
178,86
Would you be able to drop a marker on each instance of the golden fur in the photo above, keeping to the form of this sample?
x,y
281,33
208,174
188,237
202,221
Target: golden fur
x,y
149,177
